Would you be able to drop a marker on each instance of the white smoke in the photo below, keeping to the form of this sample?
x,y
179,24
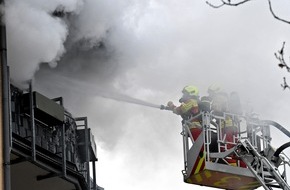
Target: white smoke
x,y
96,18
34,35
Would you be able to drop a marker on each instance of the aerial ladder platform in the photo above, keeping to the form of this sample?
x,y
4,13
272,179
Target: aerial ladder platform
x,y
257,163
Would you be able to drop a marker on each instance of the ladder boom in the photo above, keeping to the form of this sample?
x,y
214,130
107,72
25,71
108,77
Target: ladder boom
x,y
268,175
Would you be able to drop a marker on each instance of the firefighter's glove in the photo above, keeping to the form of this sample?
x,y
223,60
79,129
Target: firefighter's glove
x,y
170,105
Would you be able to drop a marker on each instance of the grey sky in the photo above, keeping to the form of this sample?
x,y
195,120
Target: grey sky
x,y
148,50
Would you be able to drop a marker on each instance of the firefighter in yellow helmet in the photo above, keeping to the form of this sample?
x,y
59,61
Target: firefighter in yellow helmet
x,y
219,107
219,99
189,108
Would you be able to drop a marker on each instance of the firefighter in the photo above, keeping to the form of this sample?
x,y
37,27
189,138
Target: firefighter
x,y
219,99
188,109
219,106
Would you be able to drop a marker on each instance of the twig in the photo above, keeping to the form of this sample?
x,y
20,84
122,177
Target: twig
x,y
227,3
285,85
274,15
282,63
280,56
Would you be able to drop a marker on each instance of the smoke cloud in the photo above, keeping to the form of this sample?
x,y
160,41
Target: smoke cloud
x,y
34,36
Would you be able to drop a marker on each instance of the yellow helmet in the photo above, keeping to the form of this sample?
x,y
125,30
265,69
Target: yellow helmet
x,y
214,88
190,90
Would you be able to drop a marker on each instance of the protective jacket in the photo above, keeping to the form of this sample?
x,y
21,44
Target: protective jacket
x,y
188,109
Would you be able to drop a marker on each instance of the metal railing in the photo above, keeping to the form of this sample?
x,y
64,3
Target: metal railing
x,y
60,140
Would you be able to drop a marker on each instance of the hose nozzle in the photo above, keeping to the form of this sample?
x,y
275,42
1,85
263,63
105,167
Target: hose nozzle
x,y
163,107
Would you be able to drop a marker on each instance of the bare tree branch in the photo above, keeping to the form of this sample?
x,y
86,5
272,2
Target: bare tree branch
x,y
230,3
274,15
214,6
227,3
